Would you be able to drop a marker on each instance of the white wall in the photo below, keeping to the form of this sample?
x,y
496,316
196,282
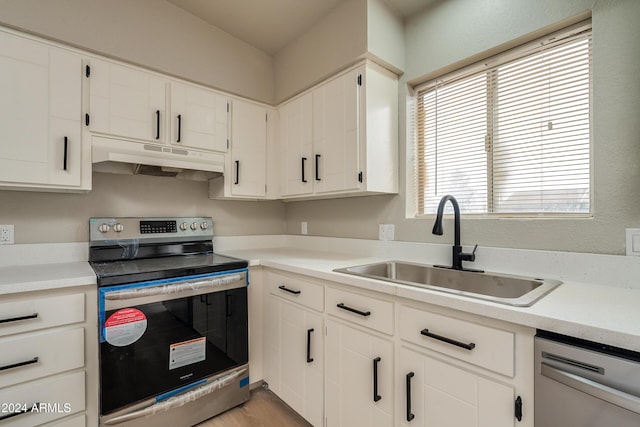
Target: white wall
x,y
450,32
152,33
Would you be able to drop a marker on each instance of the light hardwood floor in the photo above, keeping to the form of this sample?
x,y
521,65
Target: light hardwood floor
x,y
263,409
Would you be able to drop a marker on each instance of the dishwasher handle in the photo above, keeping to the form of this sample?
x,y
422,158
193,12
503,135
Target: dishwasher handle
x,y
593,388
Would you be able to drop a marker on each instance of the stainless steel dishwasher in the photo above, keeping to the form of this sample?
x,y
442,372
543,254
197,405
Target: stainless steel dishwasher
x,y
581,383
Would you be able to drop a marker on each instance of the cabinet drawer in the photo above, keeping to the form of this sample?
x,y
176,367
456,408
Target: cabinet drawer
x,y
29,356
297,290
364,310
33,314
480,345
56,397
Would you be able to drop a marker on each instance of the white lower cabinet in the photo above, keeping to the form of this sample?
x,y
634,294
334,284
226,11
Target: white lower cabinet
x,y
390,361
358,377
440,394
294,350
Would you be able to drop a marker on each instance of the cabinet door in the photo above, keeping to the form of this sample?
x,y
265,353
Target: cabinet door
x,y
336,109
437,394
352,396
294,357
199,118
248,150
296,160
39,111
127,102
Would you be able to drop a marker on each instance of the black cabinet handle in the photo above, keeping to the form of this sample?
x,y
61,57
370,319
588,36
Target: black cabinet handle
x,y
157,124
19,318
15,414
353,310
17,365
304,159
410,416
66,152
469,346
309,358
318,167
376,396
291,291
237,181
179,127
518,408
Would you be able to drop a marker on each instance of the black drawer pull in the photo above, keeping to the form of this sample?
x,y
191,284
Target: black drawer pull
x,y
318,167
291,291
304,159
353,310
237,181
15,414
309,358
469,346
376,396
179,128
19,318
410,416
66,153
157,124
17,365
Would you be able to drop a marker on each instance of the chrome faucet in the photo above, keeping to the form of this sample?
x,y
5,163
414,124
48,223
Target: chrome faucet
x,y
458,255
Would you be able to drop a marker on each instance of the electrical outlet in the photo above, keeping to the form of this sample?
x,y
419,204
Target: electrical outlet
x,y
303,227
387,232
6,234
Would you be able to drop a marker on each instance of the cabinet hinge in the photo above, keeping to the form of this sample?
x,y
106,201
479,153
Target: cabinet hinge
x,y
518,408
87,71
359,79
86,120
360,176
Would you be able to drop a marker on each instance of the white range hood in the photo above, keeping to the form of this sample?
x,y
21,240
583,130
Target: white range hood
x,y
120,156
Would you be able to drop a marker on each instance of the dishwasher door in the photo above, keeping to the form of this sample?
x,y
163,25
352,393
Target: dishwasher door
x,y
585,384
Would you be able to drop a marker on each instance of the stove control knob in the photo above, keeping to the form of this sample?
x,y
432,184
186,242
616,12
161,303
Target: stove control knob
x,y
104,227
184,226
194,226
204,225
118,228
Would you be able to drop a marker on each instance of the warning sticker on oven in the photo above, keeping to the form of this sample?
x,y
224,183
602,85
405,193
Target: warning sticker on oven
x,y
125,327
187,352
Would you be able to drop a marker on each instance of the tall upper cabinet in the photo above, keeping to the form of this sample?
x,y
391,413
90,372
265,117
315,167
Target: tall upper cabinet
x,y
341,137
40,116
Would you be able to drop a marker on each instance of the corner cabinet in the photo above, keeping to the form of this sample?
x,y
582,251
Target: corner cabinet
x,y
391,361
40,117
341,137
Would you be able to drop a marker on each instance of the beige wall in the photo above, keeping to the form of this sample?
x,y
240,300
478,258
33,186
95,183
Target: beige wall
x,y
453,30
152,33
55,217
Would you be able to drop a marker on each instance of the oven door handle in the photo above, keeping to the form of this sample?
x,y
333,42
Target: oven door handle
x,y
593,388
173,288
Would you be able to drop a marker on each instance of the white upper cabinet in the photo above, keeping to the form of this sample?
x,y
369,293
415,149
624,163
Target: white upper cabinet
x,y
40,117
341,137
131,103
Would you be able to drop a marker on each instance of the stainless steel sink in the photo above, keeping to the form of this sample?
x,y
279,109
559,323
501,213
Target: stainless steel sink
x,y
501,288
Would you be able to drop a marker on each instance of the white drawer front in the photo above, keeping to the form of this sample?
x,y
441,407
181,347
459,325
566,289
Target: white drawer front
x,y
25,358
371,312
297,290
33,314
493,349
77,421
57,397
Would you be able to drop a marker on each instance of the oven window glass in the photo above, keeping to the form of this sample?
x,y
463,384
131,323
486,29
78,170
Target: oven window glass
x,y
160,346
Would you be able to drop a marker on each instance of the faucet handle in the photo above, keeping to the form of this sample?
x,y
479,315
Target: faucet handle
x,y
471,257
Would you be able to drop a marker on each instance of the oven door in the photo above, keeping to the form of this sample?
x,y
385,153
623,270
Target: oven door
x,y
161,337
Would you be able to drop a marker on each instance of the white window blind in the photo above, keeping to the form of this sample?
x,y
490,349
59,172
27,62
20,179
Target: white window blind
x,y
512,137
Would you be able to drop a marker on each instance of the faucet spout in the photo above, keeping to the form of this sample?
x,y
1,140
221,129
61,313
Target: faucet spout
x,y
457,255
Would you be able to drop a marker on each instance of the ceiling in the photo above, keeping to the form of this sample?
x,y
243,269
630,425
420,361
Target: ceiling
x,y
270,25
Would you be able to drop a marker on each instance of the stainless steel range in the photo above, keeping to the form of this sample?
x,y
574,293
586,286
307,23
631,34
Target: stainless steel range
x,y
172,322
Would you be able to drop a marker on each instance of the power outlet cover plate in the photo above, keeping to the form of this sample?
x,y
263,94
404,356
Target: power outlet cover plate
x,y
6,235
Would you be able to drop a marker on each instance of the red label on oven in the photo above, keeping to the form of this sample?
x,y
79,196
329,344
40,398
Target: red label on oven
x,y
125,327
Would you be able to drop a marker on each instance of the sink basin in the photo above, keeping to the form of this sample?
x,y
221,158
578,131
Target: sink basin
x,y
501,288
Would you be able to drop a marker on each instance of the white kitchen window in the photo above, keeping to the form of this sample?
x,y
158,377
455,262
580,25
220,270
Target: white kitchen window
x,y
512,135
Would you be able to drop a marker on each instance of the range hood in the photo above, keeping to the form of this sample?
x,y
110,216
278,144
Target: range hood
x,y
121,156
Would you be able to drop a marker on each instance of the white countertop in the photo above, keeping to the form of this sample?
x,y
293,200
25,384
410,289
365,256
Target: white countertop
x,y
38,277
606,314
